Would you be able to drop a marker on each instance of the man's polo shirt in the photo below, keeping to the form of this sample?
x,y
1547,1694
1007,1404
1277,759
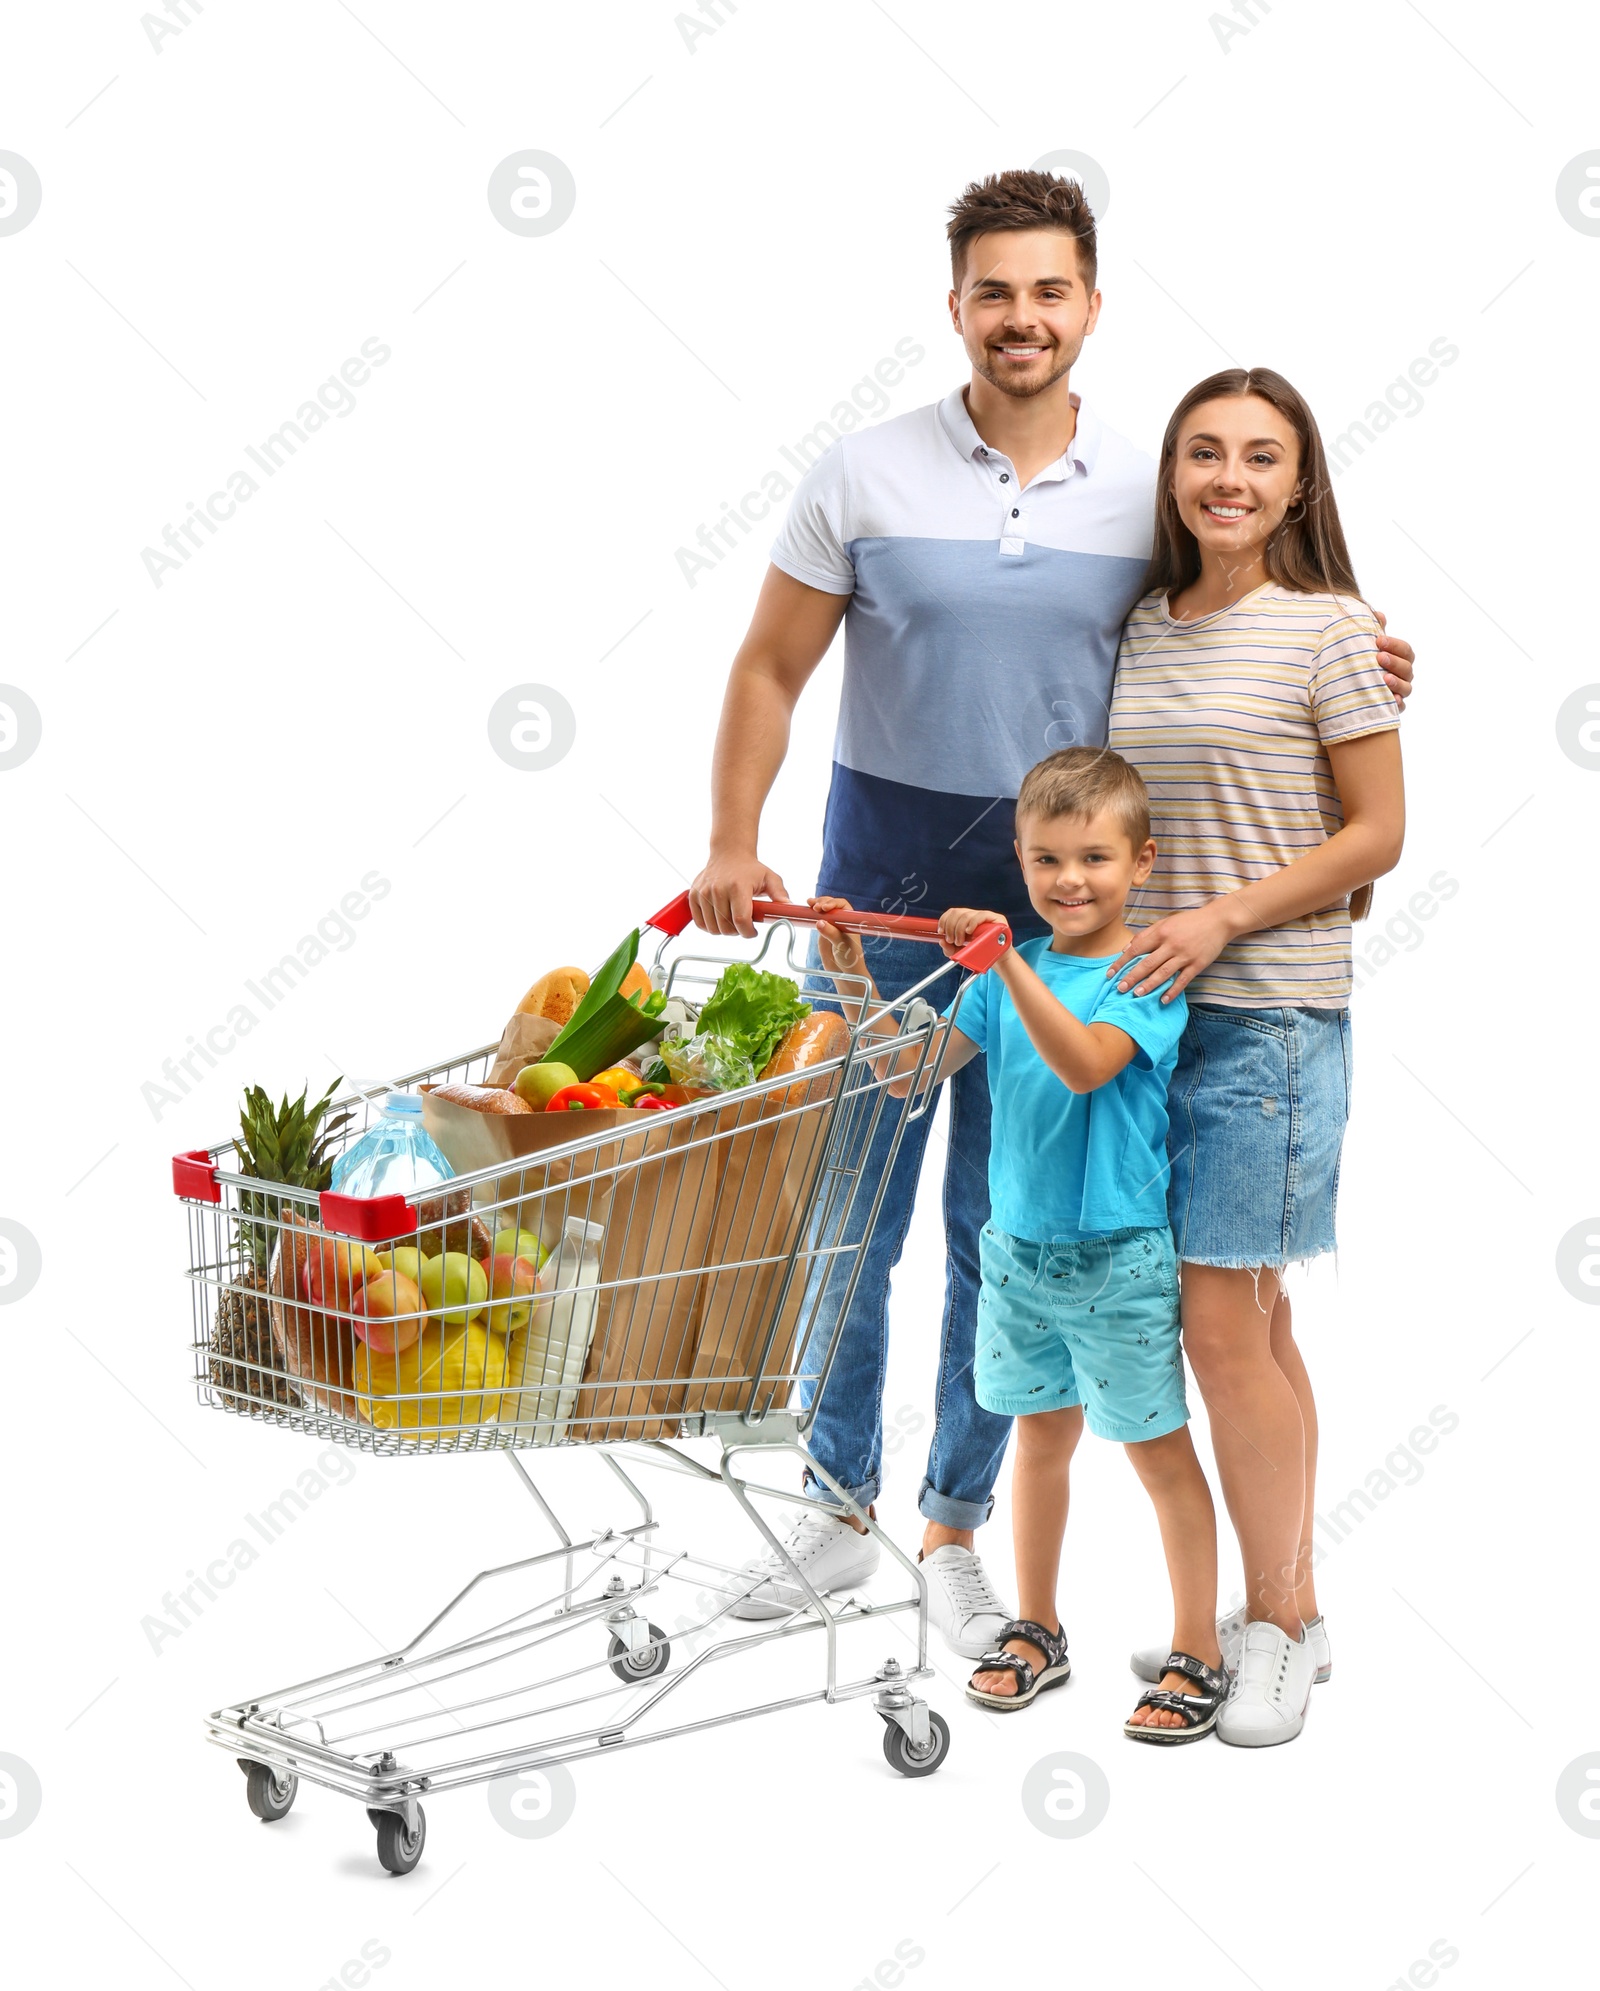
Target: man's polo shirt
x,y
981,635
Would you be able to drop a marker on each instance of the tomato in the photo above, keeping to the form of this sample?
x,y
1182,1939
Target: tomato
x,y
581,1098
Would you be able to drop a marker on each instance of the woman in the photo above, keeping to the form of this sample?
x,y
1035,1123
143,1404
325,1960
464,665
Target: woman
x,y
1250,697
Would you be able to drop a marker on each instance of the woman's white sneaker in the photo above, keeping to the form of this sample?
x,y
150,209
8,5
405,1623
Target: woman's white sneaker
x,y
1271,1689
829,1552
962,1604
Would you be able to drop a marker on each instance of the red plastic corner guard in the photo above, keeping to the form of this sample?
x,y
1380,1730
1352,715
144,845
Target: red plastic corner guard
x,y
985,947
672,918
372,1219
194,1179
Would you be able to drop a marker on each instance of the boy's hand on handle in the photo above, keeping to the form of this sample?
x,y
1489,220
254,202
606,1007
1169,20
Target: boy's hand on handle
x,y
842,953
960,923
720,897
1397,660
1179,946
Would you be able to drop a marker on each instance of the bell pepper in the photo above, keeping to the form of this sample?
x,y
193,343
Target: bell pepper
x,y
581,1098
650,1102
618,1079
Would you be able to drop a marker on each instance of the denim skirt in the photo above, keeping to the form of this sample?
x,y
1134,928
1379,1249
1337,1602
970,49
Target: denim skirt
x,y
1257,1104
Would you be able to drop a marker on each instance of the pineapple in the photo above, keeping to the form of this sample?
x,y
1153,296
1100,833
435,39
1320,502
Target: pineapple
x,y
290,1144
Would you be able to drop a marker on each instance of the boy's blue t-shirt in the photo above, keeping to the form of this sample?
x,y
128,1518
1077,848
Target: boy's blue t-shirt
x,y
1066,1164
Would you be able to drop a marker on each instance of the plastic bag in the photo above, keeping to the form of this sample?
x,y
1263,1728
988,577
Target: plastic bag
x,y
707,1060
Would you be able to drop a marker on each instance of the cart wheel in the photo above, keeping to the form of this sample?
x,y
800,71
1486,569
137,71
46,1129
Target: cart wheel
x,y
644,1664
269,1795
398,1849
908,1761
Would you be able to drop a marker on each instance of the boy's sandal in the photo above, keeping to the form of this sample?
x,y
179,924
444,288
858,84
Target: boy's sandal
x,y
1053,1673
1198,1711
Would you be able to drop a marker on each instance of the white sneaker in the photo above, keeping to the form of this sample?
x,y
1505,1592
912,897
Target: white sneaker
x,y
829,1551
1271,1690
1151,1663
962,1604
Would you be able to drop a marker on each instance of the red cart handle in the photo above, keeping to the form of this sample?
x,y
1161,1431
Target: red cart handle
x,y
982,951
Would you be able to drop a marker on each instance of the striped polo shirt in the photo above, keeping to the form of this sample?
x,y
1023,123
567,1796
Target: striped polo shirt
x,y
981,635
1229,718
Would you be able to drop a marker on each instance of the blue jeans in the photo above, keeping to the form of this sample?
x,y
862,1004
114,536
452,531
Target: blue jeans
x,y
969,1442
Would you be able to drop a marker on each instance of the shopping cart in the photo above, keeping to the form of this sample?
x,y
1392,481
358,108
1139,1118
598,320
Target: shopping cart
x,y
717,1247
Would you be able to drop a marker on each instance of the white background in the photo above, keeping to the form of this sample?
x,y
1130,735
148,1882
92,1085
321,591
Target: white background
x,y
759,220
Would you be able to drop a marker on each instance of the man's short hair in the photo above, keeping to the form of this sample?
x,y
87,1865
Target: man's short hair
x,y
1080,782
1022,199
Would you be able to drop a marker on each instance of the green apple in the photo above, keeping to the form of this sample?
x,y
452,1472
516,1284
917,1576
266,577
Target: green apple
x,y
539,1084
519,1244
406,1260
455,1287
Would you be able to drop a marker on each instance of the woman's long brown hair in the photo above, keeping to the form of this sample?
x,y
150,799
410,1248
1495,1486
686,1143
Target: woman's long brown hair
x,y
1306,554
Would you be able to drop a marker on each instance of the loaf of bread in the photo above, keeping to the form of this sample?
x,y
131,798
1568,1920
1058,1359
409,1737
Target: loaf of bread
x,y
556,995
483,1098
813,1040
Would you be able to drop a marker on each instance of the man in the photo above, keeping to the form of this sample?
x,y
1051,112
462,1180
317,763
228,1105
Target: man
x,y
982,553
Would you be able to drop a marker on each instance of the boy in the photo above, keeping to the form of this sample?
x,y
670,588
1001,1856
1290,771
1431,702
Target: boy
x,y
1078,1310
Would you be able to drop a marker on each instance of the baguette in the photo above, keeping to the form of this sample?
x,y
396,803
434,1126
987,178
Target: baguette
x,y
482,1098
556,995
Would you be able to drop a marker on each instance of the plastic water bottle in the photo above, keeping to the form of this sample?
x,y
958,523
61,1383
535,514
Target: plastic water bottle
x,y
396,1156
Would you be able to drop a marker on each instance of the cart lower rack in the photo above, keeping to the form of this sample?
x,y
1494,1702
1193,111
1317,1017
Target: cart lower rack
x,y
720,1247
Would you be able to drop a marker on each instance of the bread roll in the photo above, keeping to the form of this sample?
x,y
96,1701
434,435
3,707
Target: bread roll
x,y
483,1098
813,1040
556,995
636,982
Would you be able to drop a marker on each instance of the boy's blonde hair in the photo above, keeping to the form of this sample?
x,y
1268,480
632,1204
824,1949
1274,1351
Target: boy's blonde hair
x,y
1080,782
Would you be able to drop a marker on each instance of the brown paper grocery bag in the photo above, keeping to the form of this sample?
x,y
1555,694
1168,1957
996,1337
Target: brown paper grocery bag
x,y
653,1187
769,1172
524,1042
318,1347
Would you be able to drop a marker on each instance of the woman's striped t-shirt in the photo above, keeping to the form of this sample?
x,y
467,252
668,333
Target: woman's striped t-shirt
x,y
1229,718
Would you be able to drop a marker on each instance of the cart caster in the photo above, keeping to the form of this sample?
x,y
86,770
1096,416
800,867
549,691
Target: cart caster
x,y
644,1664
902,1755
398,1849
269,1795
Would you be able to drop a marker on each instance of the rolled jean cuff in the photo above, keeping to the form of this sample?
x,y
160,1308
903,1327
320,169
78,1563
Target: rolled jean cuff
x,y
933,1505
823,1494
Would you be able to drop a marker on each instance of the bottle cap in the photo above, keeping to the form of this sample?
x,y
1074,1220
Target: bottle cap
x,y
408,1103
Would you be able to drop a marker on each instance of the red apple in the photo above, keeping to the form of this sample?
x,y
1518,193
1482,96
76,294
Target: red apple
x,y
388,1312
513,1286
334,1273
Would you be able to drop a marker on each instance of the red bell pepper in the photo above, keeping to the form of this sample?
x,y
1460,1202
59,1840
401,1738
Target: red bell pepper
x,y
650,1102
581,1098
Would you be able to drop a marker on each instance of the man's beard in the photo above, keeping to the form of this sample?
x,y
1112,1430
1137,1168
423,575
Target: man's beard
x,y
1024,390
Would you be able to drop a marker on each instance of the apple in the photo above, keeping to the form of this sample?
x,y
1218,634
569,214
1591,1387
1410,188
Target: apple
x,y
388,1312
519,1244
333,1272
513,1286
406,1259
455,1287
539,1084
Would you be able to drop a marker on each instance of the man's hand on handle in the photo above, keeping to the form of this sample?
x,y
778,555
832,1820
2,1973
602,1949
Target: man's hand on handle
x,y
720,897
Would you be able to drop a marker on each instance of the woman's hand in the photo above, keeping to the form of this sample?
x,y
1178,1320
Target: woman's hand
x,y
957,926
842,953
1180,945
1397,660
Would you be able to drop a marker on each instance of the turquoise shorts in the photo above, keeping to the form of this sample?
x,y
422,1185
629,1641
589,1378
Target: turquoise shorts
x,y
1092,1322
